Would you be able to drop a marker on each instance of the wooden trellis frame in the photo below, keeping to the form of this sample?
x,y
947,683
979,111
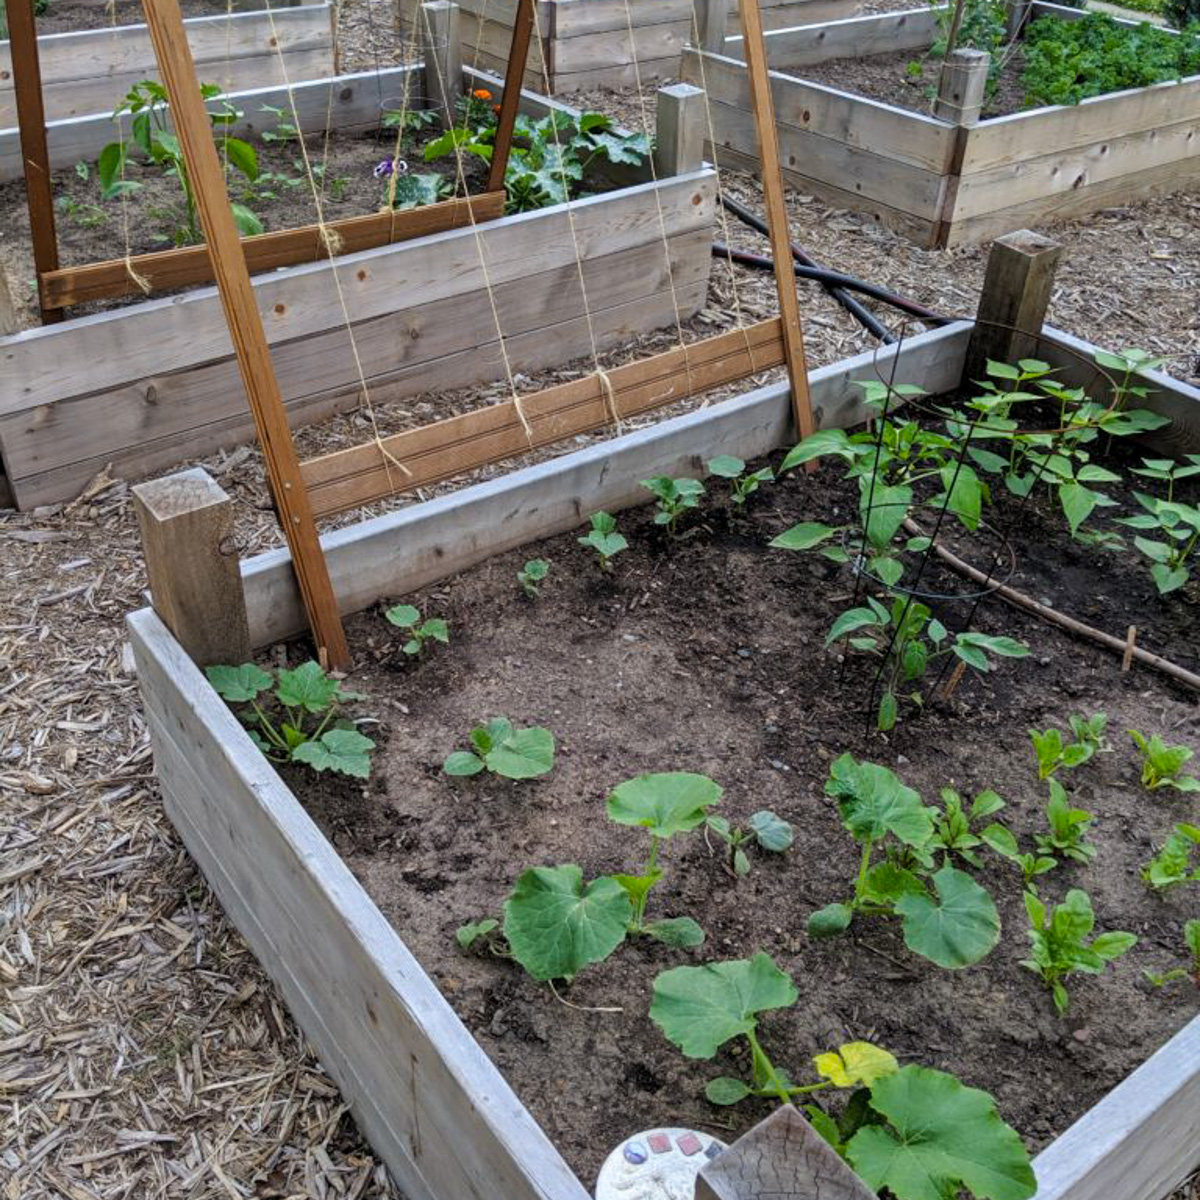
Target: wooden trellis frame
x,y
373,471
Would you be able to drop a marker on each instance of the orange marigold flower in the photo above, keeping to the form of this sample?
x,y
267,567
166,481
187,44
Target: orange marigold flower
x,y
495,108
481,94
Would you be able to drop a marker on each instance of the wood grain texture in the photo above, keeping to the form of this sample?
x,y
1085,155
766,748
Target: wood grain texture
x,y
679,125
421,543
266,251
809,43
781,1158
432,1103
245,327
186,522
510,100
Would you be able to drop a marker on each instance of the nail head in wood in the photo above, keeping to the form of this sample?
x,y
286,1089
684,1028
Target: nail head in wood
x,y
186,522
781,1158
442,54
961,86
1017,286
679,130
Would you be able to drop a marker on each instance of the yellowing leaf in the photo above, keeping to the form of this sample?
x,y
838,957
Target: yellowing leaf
x,y
855,1063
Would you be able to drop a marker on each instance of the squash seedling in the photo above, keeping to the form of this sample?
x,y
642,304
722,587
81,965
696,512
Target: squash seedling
x,y
1162,765
604,538
307,728
1173,864
742,484
675,497
1053,751
957,925
1068,828
1060,946
532,574
503,750
1191,941
916,1132
408,618
765,829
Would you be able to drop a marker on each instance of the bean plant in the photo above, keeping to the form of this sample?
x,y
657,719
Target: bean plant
x,y
1162,765
957,924
674,498
1191,941
504,750
294,716
1176,524
1053,751
556,925
766,830
408,618
604,538
742,484
532,575
918,1133
1060,946
1178,861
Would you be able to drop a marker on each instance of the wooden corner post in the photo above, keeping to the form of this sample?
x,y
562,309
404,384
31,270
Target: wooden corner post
x,y
679,130
961,86
710,18
35,158
441,51
193,129
186,521
1016,294
763,106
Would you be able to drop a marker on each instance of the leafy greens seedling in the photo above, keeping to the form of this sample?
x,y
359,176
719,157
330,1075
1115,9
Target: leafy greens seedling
x,y
408,618
1173,864
1053,751
675,497
957,925
307,728
531,574
1068,828
768,831
604,538
504,750
1059,935
916,1132
1162,765
742,484
1191,940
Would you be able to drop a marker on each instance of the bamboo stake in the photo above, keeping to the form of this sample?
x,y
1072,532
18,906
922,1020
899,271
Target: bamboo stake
x,y
763,106
194,131
1130,646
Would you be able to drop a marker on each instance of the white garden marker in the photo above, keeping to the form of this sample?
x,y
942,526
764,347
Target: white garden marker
x,y
659,1164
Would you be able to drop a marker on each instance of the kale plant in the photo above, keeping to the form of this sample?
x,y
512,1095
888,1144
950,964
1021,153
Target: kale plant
x,y
674,498
742,484
604,538
766,830
408,618
293,716
1178,861
503,750
1060,945
1162,765
532,574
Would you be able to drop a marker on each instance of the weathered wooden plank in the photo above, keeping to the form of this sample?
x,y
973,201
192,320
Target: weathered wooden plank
x,y
295,302
266,251
880,33
615,48
432,453
90,70
446,345
418,1083
353,105
892,134
416,545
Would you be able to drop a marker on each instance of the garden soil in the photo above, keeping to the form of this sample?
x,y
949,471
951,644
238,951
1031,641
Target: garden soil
x,y
705,653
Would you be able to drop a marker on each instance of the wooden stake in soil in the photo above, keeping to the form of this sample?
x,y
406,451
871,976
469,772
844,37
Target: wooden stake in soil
x,y
510,101
1130,645
35,158
763,107
193,129
186,522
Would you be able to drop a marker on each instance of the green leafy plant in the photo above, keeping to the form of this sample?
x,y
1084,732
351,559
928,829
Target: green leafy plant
x,y
1177,524
151,133
293,716
556,925
1183,14
284,130
503,750
1162,765
742,484
409,120
674,498
916,1132
1054,752
955,832
766,830
957,924
1191,941
89,216
481,935
408,618
411,190
1060,945
1068,828
532,574
1178,861
604,538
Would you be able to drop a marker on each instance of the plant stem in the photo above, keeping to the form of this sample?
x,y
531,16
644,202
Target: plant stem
x,y
860,885
765,1069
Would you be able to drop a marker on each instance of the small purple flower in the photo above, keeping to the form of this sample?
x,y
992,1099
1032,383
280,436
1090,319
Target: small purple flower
x,y
390,166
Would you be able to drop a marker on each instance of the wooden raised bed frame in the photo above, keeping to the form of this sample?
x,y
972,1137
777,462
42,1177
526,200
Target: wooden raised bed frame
x,y
939,183
85,396
586,43
431,1102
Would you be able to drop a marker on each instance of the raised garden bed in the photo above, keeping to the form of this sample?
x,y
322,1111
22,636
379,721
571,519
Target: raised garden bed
x,y
587,43
939,183
642,670
86,393
89,71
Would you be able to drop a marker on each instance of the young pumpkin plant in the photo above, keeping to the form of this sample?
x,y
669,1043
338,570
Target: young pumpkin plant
x,y
919,1133
674,498
502,749
742,484
408,618
764,829
604,538
532,575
